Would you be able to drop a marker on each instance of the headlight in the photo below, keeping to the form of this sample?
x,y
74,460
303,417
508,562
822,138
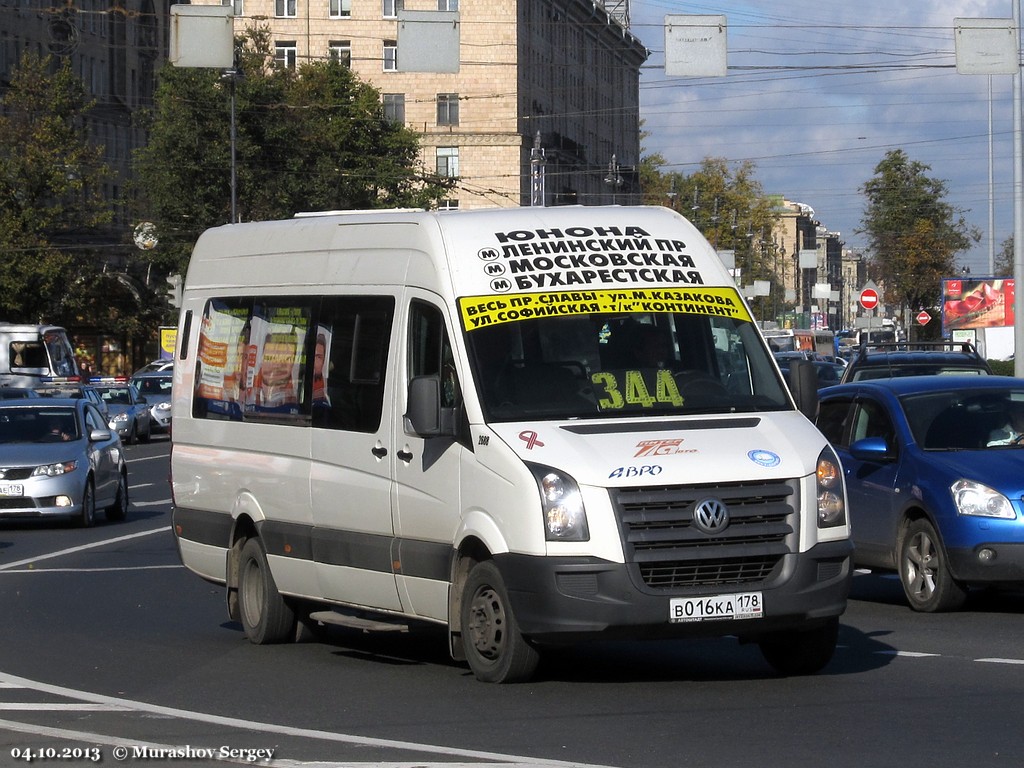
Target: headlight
x,y
979,500
118,417
831,498
562,505
52,470
162,407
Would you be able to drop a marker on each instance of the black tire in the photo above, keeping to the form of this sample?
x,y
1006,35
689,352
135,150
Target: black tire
x,y
147,435
87,517
924,571
494,647
118,511
266,617
801,652
132,435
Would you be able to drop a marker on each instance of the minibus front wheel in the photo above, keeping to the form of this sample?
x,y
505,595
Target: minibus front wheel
x,y
494,647
265,615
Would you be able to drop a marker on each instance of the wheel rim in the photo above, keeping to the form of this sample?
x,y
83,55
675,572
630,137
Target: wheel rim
x,y
921,563
487,620
252,593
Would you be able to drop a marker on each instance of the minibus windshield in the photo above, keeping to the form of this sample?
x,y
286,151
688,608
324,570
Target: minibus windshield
x,y
581,363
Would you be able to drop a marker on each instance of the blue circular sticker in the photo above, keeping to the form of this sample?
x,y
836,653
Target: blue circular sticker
x,y
764,458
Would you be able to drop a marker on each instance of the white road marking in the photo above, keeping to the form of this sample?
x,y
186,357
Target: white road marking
x,y
1001,661
261,728
82,548
909,654
156,503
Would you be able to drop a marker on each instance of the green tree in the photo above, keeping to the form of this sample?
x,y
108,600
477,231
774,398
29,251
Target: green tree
x,y
913,233
51,185
1004,259
309,139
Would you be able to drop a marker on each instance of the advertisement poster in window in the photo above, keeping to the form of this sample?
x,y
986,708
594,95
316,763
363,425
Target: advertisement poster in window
x,y
276,351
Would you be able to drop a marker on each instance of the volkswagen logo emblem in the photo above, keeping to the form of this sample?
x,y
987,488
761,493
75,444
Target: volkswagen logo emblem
x,y
711,516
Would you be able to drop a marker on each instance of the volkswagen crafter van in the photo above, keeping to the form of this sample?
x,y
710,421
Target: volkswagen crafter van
x,y
532,426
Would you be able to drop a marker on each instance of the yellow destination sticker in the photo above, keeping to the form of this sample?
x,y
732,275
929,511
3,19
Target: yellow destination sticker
x,y
483,311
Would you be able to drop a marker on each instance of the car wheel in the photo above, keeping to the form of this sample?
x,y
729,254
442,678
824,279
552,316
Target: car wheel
x,y
495,650
119,509
801,652
266,617
144,437
132,435
924,571
87,517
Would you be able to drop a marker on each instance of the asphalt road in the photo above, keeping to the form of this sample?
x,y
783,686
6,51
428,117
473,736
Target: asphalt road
x,y
111,652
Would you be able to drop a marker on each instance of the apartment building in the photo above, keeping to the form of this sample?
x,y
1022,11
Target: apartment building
x,y
544,104
115,47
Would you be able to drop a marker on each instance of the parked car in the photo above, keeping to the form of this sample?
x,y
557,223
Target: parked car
x,y
16,393
882,361
129,411
73,388
934,469
155,386
59,459
156,365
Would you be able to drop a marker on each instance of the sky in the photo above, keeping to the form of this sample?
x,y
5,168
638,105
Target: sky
x,y
818,91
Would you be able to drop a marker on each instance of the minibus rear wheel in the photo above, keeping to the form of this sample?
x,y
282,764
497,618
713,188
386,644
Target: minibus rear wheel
x,y
494,647
266,617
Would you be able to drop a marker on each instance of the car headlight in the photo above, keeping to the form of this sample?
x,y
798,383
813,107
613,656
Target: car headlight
x,y
162,407
565,519
53,470
979,500
831,497
118,417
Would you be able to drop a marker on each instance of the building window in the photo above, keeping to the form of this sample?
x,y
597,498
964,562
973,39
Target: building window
x,y
390,55
341,52
286,55
238,6
448,205
447,109
391,8
447,5
394,107
448,161
340,9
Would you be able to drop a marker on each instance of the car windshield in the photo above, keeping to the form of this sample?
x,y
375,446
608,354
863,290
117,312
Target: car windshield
x,y
992,419
153,385
570,360
38,425
115,395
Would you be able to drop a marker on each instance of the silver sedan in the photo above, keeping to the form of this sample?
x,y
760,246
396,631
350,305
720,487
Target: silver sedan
x,y
59,459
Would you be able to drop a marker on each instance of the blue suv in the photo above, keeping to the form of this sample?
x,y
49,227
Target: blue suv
x,y
934,469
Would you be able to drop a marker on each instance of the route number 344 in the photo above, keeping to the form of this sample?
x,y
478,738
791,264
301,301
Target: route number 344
x,y
633,390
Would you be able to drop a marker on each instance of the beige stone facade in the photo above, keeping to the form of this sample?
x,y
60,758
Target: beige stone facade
x,y
561,69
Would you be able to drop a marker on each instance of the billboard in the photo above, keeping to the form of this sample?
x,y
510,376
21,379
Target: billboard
x,y
983,302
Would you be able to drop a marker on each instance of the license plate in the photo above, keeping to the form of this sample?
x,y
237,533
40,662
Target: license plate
x,y
12,489
742,605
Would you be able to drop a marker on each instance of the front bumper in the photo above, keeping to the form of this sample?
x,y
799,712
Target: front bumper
x,y
565,599
988,563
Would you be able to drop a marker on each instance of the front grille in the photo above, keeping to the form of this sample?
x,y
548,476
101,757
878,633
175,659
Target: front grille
x,y
16,473
667,551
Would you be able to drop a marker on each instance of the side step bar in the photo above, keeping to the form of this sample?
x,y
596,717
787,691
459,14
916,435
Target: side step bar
x,y
358,622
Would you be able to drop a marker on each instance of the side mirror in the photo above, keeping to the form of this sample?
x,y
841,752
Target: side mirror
x,y
99,435
803,383
871,449
424,415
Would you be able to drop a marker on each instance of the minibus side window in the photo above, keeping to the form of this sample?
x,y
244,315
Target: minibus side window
x,y
350,357
430,351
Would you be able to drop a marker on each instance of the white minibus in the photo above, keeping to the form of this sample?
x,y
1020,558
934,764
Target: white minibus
x,y
530,426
